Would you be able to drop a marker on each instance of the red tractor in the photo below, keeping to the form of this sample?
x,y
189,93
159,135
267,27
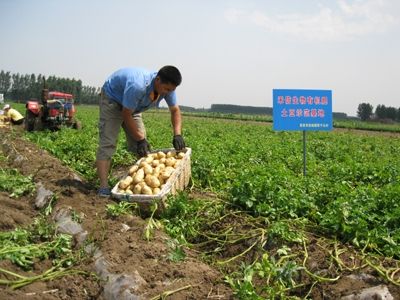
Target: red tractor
x,y
57,109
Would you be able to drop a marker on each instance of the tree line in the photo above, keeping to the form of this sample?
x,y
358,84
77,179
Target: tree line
x,y
22,87
366,112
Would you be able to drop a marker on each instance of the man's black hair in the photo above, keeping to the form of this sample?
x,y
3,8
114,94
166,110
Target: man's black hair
x,y
170,74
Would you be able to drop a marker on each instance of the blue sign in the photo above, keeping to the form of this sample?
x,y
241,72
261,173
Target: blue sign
x,y
302,109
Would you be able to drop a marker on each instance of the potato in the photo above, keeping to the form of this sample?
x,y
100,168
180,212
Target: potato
x,y
123,184
147,169
146,190
156,191
133,169
139,176
165,174
170,169
156,171
152,181
170,161
137,189
160,155
149,159
142,183
150,175
162,180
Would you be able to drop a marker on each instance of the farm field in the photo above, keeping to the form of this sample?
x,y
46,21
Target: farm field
x,y
249,226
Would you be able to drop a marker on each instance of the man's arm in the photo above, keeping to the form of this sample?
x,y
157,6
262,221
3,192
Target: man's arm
x,y
131,124
176,119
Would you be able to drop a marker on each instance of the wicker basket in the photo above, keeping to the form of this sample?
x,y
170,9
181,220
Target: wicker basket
x,y
176,182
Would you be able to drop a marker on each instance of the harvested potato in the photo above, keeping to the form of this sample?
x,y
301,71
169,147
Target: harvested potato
x,y
152,181
139,176
147,169
161,154
165,174
133,169
149,159
123,184
170,161
149,176
146,190
137,189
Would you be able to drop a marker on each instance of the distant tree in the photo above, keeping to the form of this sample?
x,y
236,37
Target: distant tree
x,y
17,86
398,114
5,82
90,95
339,115
364,111
391,113
381,112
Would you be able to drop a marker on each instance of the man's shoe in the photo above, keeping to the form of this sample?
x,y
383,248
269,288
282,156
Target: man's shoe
x,y
104,192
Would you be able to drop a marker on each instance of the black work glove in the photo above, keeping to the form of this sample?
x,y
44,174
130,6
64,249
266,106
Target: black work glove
x,y
178,142
143,147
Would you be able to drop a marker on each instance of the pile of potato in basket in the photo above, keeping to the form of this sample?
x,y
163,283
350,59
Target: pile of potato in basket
x,y
149,176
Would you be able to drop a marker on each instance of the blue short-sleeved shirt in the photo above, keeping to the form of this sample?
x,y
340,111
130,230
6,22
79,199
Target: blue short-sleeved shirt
x,y
131,87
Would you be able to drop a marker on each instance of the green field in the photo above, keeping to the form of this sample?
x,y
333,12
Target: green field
x,y
351,193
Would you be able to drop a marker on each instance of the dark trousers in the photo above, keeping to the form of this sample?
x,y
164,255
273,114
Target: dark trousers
x,y
18,122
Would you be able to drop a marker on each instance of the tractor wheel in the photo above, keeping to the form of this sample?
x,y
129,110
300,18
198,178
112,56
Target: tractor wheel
x,y
30,120
39,124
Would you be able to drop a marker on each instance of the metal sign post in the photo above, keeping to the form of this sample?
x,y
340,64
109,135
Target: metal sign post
x,y
306,110
304,153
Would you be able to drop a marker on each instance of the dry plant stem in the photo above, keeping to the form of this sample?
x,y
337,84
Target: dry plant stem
x,y
340,262
239,255
169,293
394,273
44,292
384,272
310,290
49,274
12,274
319,278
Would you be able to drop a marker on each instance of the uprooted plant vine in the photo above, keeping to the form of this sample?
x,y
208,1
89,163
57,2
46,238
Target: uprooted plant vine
x,y
264,259
25,247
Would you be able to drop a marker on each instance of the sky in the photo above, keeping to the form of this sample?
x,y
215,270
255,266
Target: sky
x,y
229,52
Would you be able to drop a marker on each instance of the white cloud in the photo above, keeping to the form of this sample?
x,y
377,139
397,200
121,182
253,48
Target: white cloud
x,y
346,21
233,15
